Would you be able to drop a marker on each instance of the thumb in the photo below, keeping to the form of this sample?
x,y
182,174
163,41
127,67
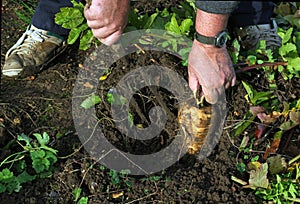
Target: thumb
x,y
211,95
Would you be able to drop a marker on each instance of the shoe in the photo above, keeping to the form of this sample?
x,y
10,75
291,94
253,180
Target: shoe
x,y
249,36
35,48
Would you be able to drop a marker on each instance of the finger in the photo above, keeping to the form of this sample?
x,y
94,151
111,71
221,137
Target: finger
x,y
111,39
193,81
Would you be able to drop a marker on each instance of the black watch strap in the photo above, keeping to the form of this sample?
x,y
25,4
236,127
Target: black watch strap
x,y
218,40
205,40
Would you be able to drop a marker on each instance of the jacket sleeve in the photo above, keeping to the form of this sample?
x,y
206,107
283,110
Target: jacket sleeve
x,y
218,7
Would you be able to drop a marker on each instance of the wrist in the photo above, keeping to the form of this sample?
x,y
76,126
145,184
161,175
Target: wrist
x,y
210,24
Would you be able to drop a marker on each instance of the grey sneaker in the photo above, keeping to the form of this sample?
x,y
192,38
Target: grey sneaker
x,y
35,48
249,36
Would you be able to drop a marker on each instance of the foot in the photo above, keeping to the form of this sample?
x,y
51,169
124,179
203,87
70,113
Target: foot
x,y
35,48
249,36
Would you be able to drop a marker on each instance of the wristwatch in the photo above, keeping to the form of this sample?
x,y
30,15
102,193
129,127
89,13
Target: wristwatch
x,y
218,41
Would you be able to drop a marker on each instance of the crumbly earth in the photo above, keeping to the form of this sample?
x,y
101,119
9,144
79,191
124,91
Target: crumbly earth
x,y
43,103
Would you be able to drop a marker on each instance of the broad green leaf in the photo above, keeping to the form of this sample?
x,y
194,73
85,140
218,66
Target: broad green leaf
x,y
251,59
295,63
258,178
25,177
86,40
90,101
69,17
185,26
73,35
173,26
285,49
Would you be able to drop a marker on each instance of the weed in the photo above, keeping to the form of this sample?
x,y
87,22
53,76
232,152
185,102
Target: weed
x,y
42,159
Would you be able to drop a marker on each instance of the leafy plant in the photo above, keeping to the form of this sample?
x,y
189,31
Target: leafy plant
x,y
72,18
42,159
90,101
76,194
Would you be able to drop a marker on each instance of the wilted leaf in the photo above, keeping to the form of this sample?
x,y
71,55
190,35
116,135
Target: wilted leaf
x,y
295,116
90,101
257,109
277,164
117,195
254,165
259,130
258,178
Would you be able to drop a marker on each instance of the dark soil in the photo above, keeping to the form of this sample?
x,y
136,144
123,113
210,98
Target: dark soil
x,y
43,103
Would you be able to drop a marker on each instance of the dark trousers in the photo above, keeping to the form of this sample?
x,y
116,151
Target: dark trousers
x,y
247,13
251,13
44,15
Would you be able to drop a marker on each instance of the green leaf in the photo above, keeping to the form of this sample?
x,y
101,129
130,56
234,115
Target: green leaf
x,y
185,26
285,49
76,193
150,21
287,35
86,40
73,35
248,89
43,140
241,167
83,200
90,101
25,177
23,137
295,63
52,158
173,26
6,174
243,126
251,59
69,17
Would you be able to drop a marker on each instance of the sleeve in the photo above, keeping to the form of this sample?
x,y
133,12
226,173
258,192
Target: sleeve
x,y
218,7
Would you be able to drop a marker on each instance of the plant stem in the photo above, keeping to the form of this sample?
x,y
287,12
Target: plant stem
x,y
247,68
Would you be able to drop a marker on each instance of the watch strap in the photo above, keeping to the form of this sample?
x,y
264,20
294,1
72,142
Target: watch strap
x,y
205,40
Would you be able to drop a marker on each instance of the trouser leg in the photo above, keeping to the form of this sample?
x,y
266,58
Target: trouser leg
x,y
252,13
44,15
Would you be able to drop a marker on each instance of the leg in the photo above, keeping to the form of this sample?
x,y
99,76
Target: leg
x,y
44,15
41,42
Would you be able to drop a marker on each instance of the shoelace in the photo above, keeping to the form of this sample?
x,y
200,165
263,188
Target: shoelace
x,y
30,37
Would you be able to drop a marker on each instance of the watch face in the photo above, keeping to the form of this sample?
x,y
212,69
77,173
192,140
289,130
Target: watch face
x,y
221,39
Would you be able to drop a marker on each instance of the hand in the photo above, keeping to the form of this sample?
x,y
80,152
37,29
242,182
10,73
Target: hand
x,y
107,19
210,68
